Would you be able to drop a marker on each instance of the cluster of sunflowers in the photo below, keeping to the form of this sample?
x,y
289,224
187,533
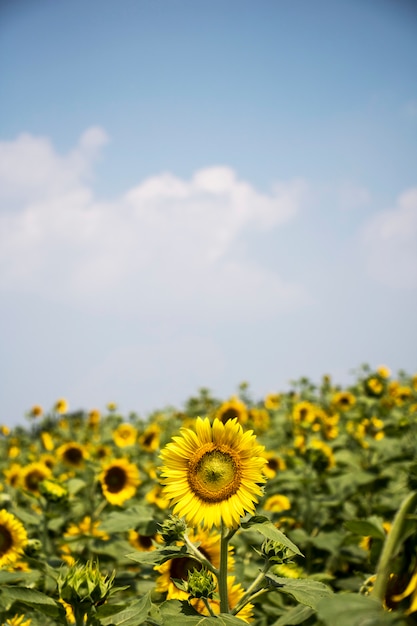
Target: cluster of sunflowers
x,y
300,508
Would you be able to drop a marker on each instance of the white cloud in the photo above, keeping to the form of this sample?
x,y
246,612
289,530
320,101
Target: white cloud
x,y
390,242
166,245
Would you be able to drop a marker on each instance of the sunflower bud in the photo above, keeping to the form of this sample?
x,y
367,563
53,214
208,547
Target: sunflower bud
x,y
275,551
85,585
53,491
173,529
201,584
33,547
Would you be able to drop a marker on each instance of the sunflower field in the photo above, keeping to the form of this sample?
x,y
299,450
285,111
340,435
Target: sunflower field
x,y
299,508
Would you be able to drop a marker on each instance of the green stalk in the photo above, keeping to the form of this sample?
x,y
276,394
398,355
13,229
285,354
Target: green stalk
x,y
390,547
250,592
222,577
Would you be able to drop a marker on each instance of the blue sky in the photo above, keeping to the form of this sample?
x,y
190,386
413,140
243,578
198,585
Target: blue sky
x,y
200,193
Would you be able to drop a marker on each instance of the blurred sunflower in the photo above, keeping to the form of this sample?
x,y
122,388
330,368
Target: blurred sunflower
x,y
235,593
274,464
73,454
61,406
143,543
13,538
86,528
36,411
12,474
277,503
208,544
272,401
213,475
383,371
343,400
149,439
31,475
156,496
304,412
47,441
119,480
320,455
232,409
17,620
93,418
259,419
125,435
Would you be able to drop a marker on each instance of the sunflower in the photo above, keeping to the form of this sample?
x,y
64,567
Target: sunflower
x,y
125,435
86,528
119,480
272,401
304,412
72,454
143,543
13,538
208,543
12,474
61,406
213,474
47,441
343,400
233,409
94,418
36,411
18,620
277,503
149,440
235,593
274,464
32,475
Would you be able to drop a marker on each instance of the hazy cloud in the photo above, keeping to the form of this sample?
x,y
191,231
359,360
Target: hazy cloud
x,y
167,244
390,242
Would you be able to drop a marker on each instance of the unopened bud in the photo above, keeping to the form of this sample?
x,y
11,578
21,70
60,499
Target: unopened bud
x,y
173,529
201,584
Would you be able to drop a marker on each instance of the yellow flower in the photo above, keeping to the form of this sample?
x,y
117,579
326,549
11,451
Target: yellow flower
x,y
273,465
209,545
343,400
86,528
4,430
304,412
32,475
233,409
12,474
320,455
277,503
157,497
143,543
383,371
213,475
36,411
18,620
119,480
72,454
409,592
272,401
259,419
402,394
111,406
61,406
47,441
125,435
93,418
149,439
13,538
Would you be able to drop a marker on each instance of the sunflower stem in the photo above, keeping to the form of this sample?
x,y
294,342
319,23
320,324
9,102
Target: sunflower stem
x,y
200,556
208,607
250,592
222,578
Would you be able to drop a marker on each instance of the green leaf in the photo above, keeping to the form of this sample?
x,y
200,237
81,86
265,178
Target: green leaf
x,y
34,599
268,530
180,613
122,521
349,609
74,485
156,557
135,614
296,615
371,527
303,590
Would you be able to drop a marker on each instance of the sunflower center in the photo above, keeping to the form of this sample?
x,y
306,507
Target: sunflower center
x,y
229,414
73,455
181,567
214,474
6,540
115,479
